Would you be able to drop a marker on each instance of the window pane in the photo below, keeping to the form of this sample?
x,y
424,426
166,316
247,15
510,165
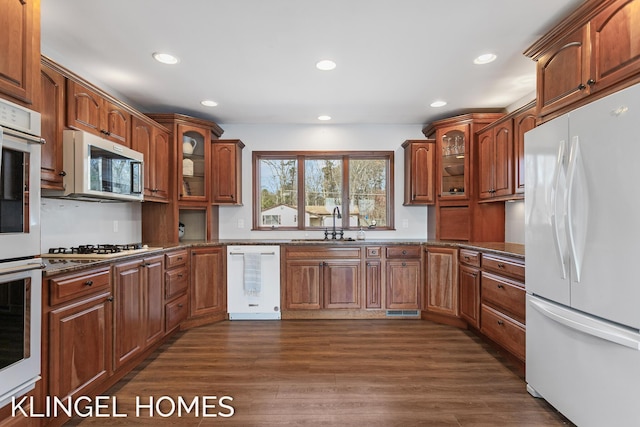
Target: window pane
x,y
368,192
323,191
278,192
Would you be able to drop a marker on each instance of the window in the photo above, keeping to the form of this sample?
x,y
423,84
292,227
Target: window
x,y
310,185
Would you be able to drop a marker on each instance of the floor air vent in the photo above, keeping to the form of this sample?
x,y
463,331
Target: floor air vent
x,y
403,313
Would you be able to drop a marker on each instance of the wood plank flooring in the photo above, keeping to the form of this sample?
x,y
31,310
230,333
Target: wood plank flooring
x,y
331,373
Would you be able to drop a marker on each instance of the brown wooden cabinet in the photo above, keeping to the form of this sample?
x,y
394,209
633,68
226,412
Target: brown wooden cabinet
x,y
469,284
208,286
139,306
152,140
594,51
226,171
176,284
403,277
503,303
524,120
90,111
458,215
20,51
52,108
373,277
495,160
419,174
322,278
80,332
441,267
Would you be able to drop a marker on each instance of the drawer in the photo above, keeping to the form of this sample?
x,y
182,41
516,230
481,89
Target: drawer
x,y
503,330
174,259
176,281
321,252
176,312
403,251
503,293
374,251
68,287
470,257
507,266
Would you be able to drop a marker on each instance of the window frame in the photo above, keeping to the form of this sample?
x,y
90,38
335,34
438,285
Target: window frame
x,y
300,157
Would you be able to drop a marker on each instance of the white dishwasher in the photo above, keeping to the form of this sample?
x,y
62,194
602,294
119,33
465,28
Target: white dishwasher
x,y
253,282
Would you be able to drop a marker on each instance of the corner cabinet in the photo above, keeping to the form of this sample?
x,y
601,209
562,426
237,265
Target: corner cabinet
x,y
20,51
495,161
458,215
594,50
419,175
226,170
441,267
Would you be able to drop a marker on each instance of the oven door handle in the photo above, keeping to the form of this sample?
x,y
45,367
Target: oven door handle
x,y
21,268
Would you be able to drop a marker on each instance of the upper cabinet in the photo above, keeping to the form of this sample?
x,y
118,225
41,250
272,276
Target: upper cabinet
x,y
152,140
90,111
419,176
501,155
20,50
226,171
453,170
52,103
595,51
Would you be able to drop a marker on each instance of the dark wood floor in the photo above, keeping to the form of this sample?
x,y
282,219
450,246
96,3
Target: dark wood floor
x,y
332,373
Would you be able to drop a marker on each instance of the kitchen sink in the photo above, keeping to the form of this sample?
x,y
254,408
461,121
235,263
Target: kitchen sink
x,y
346,239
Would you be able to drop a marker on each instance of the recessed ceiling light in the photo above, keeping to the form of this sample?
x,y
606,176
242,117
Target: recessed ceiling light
x,y
485,59
165,58
436,104
325,65
209,103
324,118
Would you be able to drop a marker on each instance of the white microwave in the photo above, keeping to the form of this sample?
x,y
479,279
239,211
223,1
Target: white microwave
x,y
98,169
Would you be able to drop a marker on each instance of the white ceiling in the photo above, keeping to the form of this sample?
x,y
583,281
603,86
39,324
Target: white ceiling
x,y
256,58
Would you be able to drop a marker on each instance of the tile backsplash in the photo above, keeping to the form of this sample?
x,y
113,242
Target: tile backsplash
x,y
67,223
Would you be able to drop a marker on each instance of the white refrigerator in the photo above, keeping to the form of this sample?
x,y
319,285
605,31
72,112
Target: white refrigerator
x,y
582,243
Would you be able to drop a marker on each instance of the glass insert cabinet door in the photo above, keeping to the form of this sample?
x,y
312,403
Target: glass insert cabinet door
x,y
453,146
193,167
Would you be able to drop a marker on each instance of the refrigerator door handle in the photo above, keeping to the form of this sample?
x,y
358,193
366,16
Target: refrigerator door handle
x,y
559,178
577,207
583,323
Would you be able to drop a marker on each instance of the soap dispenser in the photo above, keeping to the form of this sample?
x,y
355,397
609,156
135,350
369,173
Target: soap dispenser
x,y
360,234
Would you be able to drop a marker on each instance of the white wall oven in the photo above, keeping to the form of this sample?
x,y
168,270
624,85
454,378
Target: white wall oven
x,y
20,270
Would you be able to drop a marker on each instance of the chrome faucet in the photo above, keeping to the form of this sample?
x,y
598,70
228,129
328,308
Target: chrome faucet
x,y
334,233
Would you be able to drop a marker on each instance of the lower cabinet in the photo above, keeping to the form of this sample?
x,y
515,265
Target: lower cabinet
x,y
208,287
321,277
469,285
139,306
503,303
373,277
441,266
403,277
176,285
80,332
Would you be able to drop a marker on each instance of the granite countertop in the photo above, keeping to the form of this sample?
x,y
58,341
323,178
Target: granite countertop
x,y
54,266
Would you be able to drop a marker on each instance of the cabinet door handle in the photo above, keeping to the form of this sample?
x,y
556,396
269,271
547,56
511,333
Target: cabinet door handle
x,y
62,173
404,264
500,322
110,299
581,86
591,82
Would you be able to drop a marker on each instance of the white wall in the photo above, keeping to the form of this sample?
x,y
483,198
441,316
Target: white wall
x,y
67,223
514,222
236,221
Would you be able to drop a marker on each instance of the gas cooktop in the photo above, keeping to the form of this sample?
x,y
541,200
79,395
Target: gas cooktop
x,y
96,251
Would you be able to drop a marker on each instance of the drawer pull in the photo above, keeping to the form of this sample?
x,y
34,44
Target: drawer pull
x,y
500,265
404,264
466,258
179,258
110,299
500,286
180,276
404,252
88,283
500,322
180,305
